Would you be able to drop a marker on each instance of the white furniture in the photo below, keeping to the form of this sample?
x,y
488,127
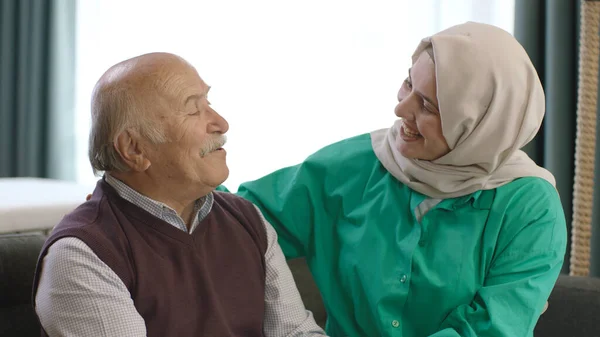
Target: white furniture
x,y
36,204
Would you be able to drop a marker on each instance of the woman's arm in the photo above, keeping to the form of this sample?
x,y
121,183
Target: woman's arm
x,y
529,256
290,199
302,201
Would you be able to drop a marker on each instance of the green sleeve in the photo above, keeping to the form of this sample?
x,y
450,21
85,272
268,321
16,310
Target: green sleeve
x,y
289,199
527,261
302,202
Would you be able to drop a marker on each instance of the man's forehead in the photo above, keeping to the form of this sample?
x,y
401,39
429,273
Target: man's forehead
x,y
183,82
198,89
197,94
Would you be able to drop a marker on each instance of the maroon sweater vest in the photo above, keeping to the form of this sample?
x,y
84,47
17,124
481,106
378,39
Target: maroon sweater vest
x,y
208,283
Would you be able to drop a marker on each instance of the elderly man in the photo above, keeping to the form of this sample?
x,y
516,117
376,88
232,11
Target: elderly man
x,y
156,251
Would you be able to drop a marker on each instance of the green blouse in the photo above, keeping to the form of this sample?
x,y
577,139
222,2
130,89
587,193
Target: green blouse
x,y
389,261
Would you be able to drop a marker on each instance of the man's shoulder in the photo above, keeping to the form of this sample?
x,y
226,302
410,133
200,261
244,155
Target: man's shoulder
x,y
93,226
93,222
221,196
233,202
84,215
246,214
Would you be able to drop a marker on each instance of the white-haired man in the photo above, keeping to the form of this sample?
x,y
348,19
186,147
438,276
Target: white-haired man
x,y
156,251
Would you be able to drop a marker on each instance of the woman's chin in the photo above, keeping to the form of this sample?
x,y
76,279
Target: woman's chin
x,y
407,150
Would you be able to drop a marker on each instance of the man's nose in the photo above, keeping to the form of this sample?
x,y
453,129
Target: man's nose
x,y
218,124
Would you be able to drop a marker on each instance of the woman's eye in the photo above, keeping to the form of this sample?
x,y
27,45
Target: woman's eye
x,y
429,108
408,84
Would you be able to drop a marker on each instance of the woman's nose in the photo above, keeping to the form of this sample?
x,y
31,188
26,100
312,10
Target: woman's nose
x,y
404,109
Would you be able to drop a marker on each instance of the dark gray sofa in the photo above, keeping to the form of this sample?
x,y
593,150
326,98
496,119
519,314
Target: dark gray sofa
x,y
573,312
574,309
18,256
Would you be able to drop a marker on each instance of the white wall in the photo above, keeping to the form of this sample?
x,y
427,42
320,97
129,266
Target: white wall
x,y
289,76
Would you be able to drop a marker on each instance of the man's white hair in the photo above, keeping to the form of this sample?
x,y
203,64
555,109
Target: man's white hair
x,y
116,108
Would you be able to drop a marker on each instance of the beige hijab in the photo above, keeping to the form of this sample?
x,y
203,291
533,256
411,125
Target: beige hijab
x,y
491,104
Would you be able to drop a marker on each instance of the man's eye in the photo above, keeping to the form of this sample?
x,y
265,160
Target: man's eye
x,y
408,84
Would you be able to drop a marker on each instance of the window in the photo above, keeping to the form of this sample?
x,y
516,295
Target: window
x,y
289,76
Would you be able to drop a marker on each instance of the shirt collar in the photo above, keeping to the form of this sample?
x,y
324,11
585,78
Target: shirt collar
x,y
161,210
478,199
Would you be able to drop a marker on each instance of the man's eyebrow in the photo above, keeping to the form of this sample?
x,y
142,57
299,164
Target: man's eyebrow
x,y
429,100
196,96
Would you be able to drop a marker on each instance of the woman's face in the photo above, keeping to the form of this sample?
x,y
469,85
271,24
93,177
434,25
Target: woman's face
x,y
420,134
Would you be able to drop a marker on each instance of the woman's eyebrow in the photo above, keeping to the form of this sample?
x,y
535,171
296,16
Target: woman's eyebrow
x,y
429,100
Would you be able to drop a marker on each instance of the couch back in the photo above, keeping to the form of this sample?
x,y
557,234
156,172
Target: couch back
x,y
18,257
574,307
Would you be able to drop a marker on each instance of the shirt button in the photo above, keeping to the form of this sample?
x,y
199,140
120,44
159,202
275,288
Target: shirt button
x,y
395,323
403,278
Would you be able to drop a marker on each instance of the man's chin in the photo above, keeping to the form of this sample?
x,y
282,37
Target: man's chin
x,y
221,177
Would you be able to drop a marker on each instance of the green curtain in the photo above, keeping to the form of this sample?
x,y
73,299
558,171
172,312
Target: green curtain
x,y
549,31
35,92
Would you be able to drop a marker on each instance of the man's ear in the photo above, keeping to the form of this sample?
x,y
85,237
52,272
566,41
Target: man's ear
x,y
130,149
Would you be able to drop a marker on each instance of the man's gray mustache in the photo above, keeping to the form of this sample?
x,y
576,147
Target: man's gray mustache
x,y
213,144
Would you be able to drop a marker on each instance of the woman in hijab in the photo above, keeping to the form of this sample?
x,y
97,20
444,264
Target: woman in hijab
x,y
440,225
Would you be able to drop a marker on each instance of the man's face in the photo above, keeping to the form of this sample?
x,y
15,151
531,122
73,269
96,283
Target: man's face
x,y
193,153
